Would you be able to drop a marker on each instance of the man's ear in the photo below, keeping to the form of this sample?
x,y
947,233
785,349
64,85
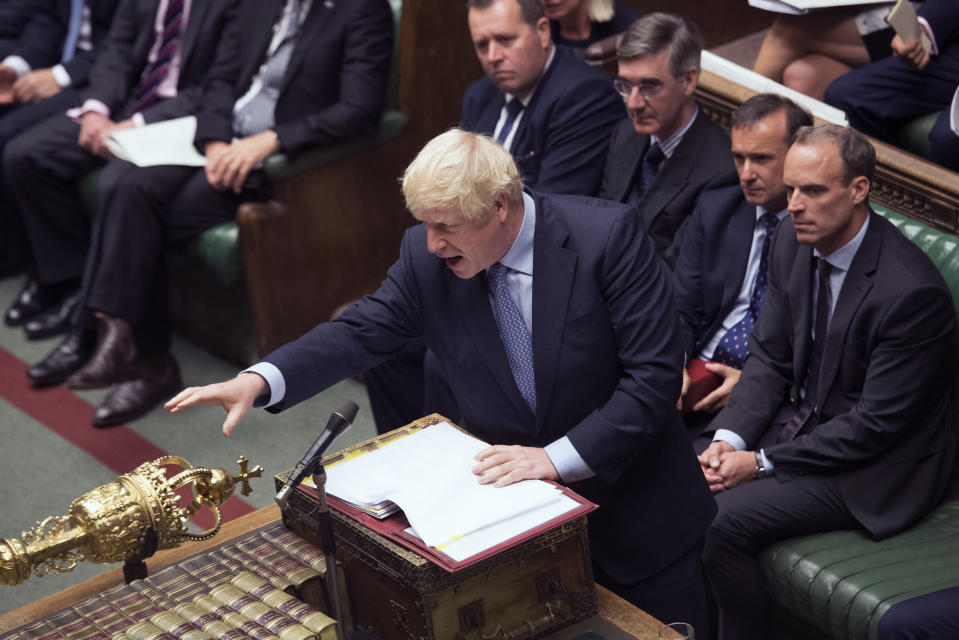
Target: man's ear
x,y
691,78
543,32
860,189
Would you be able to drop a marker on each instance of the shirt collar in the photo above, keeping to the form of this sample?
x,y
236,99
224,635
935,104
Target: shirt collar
x,y
668,146
529,96
520,254
842,257
761,211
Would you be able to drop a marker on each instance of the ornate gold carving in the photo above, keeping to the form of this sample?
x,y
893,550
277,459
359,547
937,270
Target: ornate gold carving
x,y
106,524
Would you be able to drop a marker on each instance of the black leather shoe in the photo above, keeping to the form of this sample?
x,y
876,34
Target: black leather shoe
x,y
157,380
66,357
53,321
32,299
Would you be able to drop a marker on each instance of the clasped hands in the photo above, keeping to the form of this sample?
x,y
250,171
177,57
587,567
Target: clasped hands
x,y
229,164
32,87
725,468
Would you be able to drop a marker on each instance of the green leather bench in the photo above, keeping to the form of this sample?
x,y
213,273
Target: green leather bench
x,y
839,584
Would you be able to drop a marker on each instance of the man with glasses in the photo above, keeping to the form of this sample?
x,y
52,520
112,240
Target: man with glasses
x,y
665,153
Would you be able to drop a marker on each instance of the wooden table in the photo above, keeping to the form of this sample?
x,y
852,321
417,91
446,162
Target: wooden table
x,y
612,608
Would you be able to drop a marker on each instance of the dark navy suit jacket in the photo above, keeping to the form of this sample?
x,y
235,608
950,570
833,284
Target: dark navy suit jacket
x,y
562,138
607,362
335,83
712,263
884,428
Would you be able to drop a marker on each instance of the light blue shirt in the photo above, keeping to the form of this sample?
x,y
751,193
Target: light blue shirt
x,y
668,146
519,258
840,260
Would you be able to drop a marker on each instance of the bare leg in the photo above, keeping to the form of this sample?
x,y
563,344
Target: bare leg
x,y
831,33
811,74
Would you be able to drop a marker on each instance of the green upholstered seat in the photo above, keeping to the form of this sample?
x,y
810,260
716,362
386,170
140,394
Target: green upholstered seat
x,y
914,136
840,583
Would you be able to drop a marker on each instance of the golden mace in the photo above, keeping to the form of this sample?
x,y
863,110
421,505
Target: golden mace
x,y
107,524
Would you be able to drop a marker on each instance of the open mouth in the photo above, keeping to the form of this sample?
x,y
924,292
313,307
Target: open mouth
x,y
452,261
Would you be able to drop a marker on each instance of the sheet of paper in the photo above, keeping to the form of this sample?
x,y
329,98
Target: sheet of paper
x,y
167,142
775,5
810,5
904,20
761,84
954,113
427,474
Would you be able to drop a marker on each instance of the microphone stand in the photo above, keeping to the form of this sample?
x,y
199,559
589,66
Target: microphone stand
x,y
324,530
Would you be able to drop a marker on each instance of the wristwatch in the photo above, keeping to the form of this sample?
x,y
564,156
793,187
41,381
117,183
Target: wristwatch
x,y
761,471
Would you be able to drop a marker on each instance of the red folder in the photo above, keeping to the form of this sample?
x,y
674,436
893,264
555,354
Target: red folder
x,y
702,382
393,528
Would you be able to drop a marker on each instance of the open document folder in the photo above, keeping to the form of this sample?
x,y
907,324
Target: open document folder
x,y
427,475
166,142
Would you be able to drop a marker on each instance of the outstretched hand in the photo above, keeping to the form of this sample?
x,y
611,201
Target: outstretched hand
x,y
506,464
236,396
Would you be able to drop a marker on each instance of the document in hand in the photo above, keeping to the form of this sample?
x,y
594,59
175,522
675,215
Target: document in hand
x,y
427,475
167,142
805,6
904,20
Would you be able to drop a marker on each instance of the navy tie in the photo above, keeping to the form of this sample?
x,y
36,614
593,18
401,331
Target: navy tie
x,y
648,171
733,347
155,73
810,400
514,334
513,108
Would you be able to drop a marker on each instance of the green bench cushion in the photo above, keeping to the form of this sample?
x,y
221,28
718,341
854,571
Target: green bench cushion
x,y
914,136
842,582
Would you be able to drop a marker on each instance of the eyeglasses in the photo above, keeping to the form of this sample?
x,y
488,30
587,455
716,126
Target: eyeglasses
x,y
647,88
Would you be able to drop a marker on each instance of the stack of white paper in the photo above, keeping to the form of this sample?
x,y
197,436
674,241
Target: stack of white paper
x,y
804,6
427,474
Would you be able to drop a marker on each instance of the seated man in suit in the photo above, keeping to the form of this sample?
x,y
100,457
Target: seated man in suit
x,y
554,114
41,75
552,111
151,67
666,152
720,277
554,319
881,97
310,74
842,418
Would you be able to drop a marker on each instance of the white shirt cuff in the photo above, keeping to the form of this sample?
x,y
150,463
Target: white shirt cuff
x,y
932,37
569,464
767,463
274,379
731,437
61,76
90,105
18,64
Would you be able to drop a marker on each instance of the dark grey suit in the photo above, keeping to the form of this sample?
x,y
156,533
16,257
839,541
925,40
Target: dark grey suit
x,y
701,161
879,452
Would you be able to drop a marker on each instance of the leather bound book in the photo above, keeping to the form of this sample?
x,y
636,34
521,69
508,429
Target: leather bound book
x,y
295,546
236,560
324,626
244,625
246,605
209,623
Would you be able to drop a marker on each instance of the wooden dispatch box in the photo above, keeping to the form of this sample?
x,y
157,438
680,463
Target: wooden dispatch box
x,y
526,591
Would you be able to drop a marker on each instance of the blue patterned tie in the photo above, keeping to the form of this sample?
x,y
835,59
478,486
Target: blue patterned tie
x,y
514,334
73,31
733,348
513,109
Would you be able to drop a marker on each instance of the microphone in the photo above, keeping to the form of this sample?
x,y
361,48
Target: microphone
x,y
339,421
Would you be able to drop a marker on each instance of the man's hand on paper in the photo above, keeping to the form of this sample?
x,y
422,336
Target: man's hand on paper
x,y
912,52
36,86
236,396
94,129
720,396
7,78
231,166
711,460
506,464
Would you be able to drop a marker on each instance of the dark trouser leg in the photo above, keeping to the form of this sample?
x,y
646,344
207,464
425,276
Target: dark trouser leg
x,y
675,594
934,616
42,167
944,143
880,97
750,517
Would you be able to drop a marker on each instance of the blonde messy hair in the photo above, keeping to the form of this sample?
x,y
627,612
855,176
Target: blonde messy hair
x,y
462,171
600,10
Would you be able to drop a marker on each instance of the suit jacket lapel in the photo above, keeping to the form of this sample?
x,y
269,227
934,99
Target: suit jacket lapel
x,y
857,284
632,156
674,173
553,267
194,27
316,19
800,290
737,242
262,24
472,300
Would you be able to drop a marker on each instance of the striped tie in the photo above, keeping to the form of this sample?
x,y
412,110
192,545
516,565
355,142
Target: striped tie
x,y
156,73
